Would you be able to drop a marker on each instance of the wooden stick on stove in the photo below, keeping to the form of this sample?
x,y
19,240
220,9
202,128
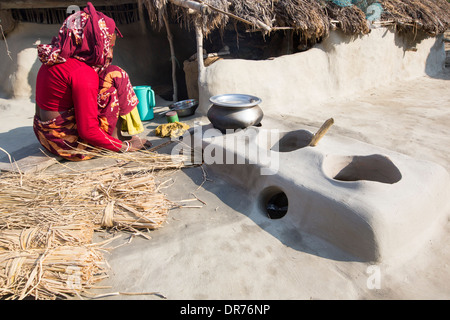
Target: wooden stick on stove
x,y
321,132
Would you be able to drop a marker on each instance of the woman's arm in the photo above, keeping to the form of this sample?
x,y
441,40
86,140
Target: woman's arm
x,y
84,93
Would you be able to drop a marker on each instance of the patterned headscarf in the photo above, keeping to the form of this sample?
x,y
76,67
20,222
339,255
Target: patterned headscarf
x,y
85,35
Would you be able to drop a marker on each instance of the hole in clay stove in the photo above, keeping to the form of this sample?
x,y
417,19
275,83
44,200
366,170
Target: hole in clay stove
x,y
374,167
275,203
293,140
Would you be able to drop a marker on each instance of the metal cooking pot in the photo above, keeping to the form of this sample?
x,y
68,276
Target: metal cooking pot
x,y
234,111
184,108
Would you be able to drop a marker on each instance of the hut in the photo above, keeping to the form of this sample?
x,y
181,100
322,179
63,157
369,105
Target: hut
x,y
301,52
288,52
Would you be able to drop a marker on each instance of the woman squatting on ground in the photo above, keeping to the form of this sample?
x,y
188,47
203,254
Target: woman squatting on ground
x,y
82,100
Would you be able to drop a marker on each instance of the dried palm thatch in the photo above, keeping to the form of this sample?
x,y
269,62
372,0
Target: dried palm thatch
x,y
311,18
158,9
47,222
255,11
351,20
431,16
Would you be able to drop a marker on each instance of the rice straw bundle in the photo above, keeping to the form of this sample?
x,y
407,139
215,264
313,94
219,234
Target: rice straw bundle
x,y
50,273
45,236
47,221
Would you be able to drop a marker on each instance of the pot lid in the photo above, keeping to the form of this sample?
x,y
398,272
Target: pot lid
x,y
235,100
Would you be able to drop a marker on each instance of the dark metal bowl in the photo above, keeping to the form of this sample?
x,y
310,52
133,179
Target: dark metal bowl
x,y
234,111
184,108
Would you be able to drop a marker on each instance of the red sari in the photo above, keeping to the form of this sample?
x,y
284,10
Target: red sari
x,y
78,81
116,98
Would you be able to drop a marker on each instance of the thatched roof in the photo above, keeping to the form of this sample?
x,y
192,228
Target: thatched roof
x,y
432,16
312,19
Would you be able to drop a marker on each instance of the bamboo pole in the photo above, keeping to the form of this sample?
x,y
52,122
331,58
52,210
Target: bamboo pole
x,y
141,16
172,58
200,57
199,39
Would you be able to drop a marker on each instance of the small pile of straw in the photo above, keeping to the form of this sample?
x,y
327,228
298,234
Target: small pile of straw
x,y
50,273
47,222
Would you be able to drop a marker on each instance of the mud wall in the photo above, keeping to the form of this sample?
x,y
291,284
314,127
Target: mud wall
x,y
339,67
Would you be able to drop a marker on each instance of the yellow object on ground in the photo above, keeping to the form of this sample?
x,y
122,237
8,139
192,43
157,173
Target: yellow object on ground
x,y
132,123
172,130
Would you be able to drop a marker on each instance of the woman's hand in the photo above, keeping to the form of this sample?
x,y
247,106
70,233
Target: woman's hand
x,y
135,144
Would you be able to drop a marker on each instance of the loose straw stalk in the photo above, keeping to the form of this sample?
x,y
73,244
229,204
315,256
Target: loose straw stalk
x,y
47,222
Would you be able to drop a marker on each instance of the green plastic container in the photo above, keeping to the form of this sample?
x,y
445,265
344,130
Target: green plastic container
x,y
146,98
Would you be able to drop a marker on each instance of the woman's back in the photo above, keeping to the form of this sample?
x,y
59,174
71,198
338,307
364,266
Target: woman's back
x,y
54,84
